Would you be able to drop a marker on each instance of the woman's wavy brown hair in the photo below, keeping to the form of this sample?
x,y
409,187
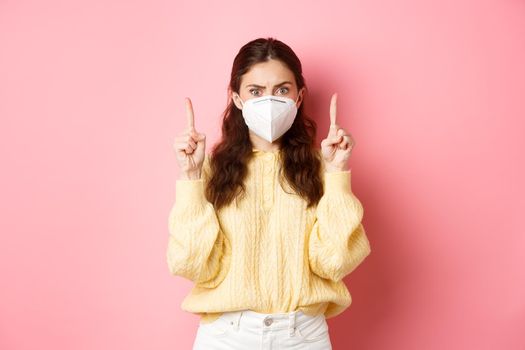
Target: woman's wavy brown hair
x,y
301,162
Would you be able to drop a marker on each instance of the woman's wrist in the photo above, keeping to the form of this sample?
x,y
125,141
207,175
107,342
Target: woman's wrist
x,y
190,175
333,169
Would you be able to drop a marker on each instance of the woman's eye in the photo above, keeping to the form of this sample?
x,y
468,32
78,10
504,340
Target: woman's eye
x,y
254,90
285,90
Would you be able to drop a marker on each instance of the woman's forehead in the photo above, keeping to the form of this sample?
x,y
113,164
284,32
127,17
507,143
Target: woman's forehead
x,y
270,73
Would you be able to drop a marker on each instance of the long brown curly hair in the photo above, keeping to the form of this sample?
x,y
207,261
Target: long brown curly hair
x,y
301,162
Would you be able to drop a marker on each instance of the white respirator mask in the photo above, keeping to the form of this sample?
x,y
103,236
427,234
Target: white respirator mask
x,y
269,116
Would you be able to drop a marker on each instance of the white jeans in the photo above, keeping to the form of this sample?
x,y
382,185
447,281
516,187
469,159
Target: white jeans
x,y
247,329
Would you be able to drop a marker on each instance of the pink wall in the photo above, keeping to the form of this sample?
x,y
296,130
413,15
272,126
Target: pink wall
x,y
92,93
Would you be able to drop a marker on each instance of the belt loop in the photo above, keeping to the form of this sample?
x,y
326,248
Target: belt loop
x,y
237,320
291,323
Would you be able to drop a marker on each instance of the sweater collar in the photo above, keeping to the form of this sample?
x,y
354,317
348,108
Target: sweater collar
x,y
260,151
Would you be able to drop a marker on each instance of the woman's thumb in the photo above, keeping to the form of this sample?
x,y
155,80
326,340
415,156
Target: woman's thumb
x,y
200,137
197,136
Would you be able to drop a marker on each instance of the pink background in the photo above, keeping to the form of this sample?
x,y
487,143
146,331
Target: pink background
x,y
92,94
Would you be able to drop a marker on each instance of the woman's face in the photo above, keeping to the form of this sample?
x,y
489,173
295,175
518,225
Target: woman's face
x,y
268,78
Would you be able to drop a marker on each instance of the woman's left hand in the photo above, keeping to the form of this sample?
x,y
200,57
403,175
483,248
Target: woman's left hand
x,y
337,147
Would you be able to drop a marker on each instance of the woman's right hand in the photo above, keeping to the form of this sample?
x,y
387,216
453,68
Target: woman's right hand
x,y
190,148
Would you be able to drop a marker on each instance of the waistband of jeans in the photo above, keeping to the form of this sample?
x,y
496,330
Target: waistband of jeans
x,y
281,320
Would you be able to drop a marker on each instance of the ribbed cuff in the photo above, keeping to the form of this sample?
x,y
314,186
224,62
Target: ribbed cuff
x,y
189,191
338,181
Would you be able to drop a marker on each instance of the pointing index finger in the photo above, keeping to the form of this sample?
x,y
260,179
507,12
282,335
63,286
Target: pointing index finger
x,y
189,114
333,110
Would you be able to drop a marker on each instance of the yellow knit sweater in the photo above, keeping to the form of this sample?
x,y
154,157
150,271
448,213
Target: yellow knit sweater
x,y
266,251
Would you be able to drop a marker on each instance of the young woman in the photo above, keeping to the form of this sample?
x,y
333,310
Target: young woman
x,y
266,225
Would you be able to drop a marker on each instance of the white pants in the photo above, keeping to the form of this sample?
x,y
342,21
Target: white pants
x,y
251,330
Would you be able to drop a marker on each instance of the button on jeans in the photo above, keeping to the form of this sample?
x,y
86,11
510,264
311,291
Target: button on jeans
x,y
247,329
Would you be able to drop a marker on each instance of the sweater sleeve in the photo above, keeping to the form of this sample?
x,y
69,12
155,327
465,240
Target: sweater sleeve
x,y
337,241
197,248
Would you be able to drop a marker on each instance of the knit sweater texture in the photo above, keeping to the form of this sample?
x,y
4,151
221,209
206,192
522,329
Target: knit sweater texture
x,y
266,251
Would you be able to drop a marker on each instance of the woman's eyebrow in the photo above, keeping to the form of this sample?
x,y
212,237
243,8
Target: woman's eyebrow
x,y
259,86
